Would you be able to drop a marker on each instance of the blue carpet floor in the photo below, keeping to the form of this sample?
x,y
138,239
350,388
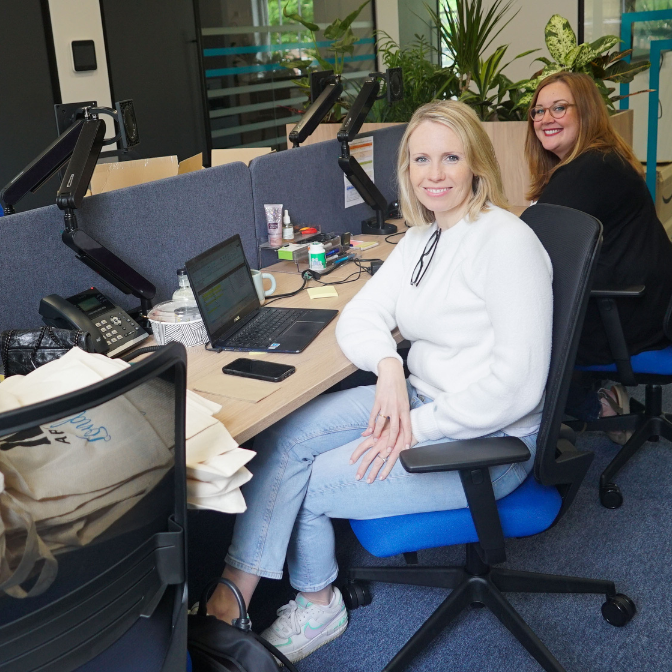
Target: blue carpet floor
x,y
631,546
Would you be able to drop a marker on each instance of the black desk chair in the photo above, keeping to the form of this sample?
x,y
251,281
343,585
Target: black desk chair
x,y
572,240
652,368
118,603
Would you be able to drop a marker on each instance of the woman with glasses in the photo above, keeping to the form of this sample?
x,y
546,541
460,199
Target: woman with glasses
x,y
470,286
576,159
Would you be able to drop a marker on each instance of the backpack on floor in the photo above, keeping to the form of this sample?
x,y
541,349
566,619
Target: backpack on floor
x,y
216,646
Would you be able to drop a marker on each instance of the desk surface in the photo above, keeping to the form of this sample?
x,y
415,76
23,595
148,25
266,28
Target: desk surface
x,y
319,367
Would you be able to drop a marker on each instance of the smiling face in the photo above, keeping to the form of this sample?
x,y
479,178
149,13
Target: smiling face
x,y
557,135
438,172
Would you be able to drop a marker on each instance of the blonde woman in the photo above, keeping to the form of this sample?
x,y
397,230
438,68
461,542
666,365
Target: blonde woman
x,y
470,286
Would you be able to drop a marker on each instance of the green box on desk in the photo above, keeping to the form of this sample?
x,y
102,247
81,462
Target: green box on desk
x,y
289,252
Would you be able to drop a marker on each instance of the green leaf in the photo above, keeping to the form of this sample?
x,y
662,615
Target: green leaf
x,y
333,30
347,22
560,38
524,101
544,60
584,56
295,17
604,43
623,73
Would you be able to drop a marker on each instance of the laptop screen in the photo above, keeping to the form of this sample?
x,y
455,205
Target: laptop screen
x,y
222,283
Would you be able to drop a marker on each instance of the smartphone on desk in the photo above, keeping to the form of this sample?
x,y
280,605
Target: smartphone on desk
x,y
259,369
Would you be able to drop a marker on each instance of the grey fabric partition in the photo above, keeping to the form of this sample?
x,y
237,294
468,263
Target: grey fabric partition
x,y
309,183
154,227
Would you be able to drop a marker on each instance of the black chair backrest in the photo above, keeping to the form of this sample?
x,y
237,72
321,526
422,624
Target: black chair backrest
x,y
133,557
572,240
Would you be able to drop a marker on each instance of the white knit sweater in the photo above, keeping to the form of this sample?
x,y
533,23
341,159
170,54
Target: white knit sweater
x,y
479,324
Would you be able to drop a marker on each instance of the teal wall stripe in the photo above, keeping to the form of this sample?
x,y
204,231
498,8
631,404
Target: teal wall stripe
x,y
257,49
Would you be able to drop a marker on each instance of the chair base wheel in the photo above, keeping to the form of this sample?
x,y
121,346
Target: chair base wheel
x,y
618,610
610,496
355,595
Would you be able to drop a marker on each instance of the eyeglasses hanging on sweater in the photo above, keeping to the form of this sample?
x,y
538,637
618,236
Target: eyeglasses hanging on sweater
x,y
421,267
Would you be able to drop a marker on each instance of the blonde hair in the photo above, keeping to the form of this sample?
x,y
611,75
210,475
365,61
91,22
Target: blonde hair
x,y
595,132
478,152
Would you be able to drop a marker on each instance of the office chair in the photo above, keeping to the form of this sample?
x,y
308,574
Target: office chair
x,y
118,603
572,240
652,368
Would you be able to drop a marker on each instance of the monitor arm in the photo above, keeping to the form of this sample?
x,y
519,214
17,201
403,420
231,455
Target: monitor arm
x,y
351,167
317,111
80,146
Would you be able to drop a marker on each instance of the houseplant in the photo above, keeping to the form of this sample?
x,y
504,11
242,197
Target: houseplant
x,y
594,59
340,31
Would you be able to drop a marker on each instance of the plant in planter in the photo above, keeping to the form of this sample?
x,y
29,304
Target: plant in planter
x,y
467,32
593,59
340,31
423,79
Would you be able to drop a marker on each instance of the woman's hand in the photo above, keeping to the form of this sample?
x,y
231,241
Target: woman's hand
x,y
391,408
379,456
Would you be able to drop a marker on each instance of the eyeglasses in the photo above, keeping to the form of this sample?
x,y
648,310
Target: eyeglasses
x,y
557,111
421,268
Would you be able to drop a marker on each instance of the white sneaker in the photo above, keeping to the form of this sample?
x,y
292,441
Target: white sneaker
x,y
302,626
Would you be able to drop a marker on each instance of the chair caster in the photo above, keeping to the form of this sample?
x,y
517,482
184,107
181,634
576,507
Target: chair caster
x,y
610,496
355,595
618,610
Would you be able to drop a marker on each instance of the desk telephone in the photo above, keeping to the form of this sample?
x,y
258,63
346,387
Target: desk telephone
x,y
112,330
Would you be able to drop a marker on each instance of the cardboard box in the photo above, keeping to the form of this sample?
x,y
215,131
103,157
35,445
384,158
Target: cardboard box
x,y
221,156
668,227
111,176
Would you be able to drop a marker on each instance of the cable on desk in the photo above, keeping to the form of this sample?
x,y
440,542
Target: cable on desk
x,y
284,296
392,235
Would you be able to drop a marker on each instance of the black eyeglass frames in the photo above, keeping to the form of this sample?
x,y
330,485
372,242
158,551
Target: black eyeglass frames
x,y
430,248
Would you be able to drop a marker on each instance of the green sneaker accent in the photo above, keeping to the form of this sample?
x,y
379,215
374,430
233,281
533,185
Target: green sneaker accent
x,y
287,643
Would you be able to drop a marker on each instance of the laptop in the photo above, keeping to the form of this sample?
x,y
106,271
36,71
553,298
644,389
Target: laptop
x,y
234,319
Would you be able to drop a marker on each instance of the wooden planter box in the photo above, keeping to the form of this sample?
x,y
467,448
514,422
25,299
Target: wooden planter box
x,y
508,139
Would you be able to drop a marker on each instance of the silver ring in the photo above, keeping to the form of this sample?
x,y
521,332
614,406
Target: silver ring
x,y
384,459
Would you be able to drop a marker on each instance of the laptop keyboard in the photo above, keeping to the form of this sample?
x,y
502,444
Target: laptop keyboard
x,y
265,328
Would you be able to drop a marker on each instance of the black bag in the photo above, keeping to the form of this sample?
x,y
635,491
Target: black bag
x,y
215,646
24,350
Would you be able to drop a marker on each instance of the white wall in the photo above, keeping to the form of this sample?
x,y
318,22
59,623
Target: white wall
x,y
80,20
387,19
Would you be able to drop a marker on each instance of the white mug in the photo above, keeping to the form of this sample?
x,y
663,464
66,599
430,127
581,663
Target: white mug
x,y
258,278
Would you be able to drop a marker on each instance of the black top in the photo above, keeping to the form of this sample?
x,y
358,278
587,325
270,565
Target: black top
x,y
635,249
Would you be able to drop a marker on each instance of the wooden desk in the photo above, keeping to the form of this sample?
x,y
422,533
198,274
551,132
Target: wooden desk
x,y
319,367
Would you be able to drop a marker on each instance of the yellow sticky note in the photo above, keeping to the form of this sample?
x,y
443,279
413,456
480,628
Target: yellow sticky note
x,y
322,292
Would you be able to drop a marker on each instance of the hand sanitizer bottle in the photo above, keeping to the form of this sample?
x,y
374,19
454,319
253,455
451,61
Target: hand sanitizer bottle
x,y
184,292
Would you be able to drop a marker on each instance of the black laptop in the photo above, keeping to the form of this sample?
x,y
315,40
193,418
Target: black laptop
x,y
230,308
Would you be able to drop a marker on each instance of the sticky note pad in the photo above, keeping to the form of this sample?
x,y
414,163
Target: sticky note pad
x,y
322,292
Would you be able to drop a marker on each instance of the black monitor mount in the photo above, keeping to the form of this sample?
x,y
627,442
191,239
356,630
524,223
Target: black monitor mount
x,y
352,124
80,146
325,90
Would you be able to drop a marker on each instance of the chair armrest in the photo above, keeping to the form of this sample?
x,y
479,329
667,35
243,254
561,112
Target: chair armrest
x,y
627,293
471,458
465,454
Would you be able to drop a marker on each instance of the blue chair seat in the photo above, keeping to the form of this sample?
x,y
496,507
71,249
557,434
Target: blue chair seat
x,y
529,509
650,361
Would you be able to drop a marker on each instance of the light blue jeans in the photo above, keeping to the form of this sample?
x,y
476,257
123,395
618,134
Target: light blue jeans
x,y
302,479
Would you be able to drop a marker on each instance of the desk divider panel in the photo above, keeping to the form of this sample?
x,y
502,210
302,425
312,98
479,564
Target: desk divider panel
x,y
309,183
154,227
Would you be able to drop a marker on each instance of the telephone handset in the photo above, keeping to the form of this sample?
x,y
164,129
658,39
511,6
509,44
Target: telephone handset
x,y
112,330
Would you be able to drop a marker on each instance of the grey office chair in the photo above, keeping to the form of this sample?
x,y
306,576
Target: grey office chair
x,y
118,603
